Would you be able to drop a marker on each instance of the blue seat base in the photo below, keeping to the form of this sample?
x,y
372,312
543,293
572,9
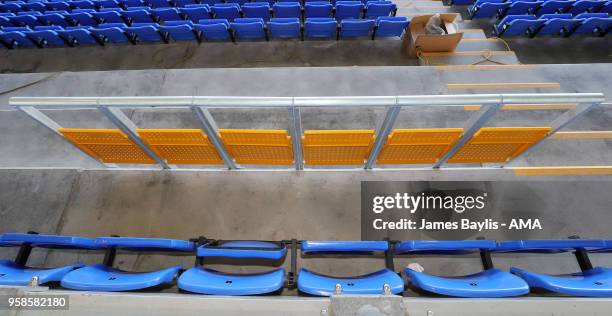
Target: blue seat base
x,y
207,281
596,282
103,278
373,283
489,283
16,275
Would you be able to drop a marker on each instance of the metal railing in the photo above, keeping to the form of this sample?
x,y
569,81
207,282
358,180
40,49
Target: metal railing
x,y
489,104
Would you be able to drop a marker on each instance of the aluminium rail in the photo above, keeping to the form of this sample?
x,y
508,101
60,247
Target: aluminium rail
x,y
489,104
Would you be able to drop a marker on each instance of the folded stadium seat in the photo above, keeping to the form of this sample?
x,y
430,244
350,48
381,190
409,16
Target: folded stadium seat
x,y
126,4
82,4
25,20
287,10
214,29
269,2
597,24
210,2
487,8
320,28
57,6
285,28
183,3
13,37
166,14
33,6
349,10
110,15
53,18
144,32
103,277
179,31
17,273
518,25
249,28
607,8
375,9
77,35
228,11
44,36
195,14
585,6
256,10
107,4
590,282
557,24
5,21
137,16
111,33
208,281
81,19
390,26
356,28
10,7
489,283
521,7
156,4
373,283
318,9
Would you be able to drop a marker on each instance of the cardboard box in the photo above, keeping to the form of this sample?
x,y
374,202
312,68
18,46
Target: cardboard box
x,y
419,41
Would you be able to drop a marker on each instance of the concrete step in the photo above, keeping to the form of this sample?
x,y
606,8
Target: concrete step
x,y
468,58
499,87
478,44
472,33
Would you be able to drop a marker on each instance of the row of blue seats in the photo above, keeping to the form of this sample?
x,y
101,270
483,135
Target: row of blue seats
x,y
491,282
500,8
594,24
206,30
195,13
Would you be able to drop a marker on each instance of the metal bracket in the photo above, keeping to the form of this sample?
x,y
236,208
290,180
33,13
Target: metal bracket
x,y
295,129
210,128
381,136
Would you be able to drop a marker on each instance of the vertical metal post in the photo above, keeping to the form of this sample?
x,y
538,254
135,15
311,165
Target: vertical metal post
x,y
478,120
126,125
50,124
485,257
295,128
382,134
210,128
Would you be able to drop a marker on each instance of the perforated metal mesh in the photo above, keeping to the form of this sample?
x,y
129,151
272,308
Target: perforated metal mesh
x,y
346,147
107,145
260,147
181,146
418,146
498,144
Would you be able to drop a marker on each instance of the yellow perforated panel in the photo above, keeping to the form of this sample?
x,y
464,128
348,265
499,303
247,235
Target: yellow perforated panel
x,y
347,147
260,147
418,146
498,144
181,146
107,145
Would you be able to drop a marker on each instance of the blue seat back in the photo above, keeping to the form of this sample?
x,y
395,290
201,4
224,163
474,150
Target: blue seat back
x,y
81,18
317,9
108,17
549,246
244,249
256,10
166,14
48,241
320,27
182,3
145,32
77,35
111,32
53,19
249,28
214,29
557,24
130,3
179,30
597,24
25,20
553,6
108,4
196,14
522,7
228,11
448,247
58,5
343,247
391,26
287,10
582,6
33,6
349,9
378,9
82,4
285,27
356,27
145,244
137,16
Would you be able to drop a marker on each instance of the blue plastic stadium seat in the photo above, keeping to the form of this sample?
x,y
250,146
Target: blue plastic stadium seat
x,y
47,36
356,27
269,2
107,4
393,26
238,2
553,6
487,8
557,25
144,32
249,28
14,37
591,282
257,10
287,10
81,19
375,9
25,20
318,9
10,7
82,4
518,25
111,33
108,16
228,11
103,277
349,10
179,31
5,21
207,281
214,29
131,3
134,15
324,285
18,274
155,4
607,8
195,14
33,6
211,2
521,7
583,6
489,283
77,35
320,28
57,6
597,24
166,14
57,18
285,28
